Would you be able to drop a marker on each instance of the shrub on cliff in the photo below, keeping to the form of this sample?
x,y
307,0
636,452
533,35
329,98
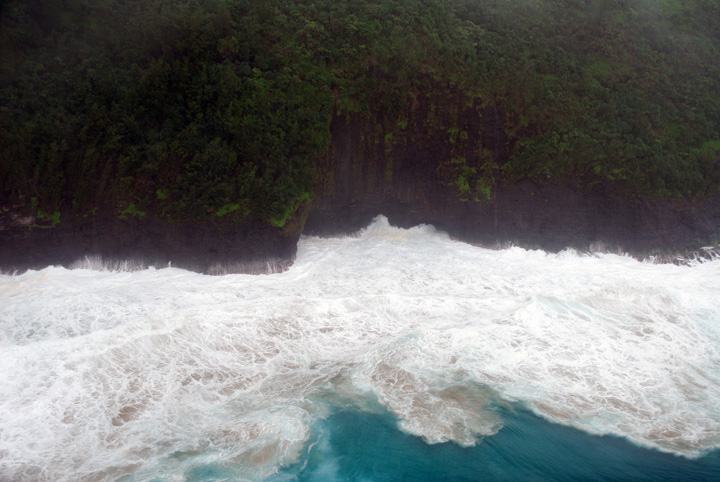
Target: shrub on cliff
x,y
228,103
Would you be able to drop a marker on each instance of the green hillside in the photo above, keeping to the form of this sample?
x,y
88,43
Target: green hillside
x,y
222,109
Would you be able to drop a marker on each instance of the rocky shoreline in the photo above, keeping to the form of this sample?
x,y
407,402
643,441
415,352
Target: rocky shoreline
x,y
551,217
213,248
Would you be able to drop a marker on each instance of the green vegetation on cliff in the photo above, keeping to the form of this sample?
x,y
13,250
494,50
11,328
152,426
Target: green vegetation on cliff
x,y
194,109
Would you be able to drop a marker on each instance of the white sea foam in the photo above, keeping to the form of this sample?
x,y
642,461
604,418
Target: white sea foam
x,y
155,372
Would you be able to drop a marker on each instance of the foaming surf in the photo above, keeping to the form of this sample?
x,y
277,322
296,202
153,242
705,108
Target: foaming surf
x,y
98,263
166,374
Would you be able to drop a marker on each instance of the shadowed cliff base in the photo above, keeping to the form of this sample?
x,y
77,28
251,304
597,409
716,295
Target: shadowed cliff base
x,y
411,188
131,244
551,217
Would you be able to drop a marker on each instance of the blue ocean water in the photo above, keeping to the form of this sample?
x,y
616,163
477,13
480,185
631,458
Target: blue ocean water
x,y
352,445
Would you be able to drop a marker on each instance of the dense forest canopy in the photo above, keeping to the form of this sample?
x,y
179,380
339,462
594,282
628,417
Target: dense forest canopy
x,y
204,109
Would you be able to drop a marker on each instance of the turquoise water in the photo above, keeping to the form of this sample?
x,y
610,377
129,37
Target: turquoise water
x,y
358,446
388,356
367,447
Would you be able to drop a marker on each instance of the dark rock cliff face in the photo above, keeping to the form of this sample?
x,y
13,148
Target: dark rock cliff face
x,y
214,248
554,214
404,176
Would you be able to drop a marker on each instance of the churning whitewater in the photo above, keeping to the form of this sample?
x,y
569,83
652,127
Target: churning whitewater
x,y
148,375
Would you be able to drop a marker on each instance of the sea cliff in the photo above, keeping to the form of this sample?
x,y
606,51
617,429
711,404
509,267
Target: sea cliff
x,y
212,135
363,178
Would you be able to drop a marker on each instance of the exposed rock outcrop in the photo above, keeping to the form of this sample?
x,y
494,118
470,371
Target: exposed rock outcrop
x,y
552,214
213,247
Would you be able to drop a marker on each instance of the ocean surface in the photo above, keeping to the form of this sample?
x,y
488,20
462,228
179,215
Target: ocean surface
x,y
393,355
